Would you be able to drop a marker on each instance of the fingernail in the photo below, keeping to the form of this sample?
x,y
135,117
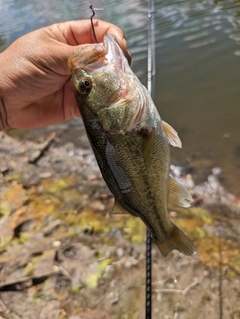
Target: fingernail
x,y
121,40
125,50
129,57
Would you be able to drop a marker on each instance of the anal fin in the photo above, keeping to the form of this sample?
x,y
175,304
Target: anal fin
x,y
178,194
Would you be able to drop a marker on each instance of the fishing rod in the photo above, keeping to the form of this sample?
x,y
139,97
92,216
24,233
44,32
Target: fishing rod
x,y
151,71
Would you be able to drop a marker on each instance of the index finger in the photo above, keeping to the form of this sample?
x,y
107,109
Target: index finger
x,y
80,32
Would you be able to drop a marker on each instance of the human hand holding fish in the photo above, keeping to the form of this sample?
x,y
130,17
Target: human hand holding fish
x,y
35,88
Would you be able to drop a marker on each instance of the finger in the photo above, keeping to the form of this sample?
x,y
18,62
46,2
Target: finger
x,y
80,32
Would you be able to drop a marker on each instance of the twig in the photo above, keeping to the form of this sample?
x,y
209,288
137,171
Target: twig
x,y
44,147
50,228
29,281
183,292
176,315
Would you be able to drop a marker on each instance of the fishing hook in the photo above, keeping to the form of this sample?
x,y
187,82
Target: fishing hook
x,y
91,18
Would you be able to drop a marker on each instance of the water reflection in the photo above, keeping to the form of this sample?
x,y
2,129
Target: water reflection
x,y
198,52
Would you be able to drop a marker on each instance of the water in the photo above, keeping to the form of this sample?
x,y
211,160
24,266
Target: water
x,y
198,70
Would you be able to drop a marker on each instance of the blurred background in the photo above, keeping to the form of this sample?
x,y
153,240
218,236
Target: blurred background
x,y
198,71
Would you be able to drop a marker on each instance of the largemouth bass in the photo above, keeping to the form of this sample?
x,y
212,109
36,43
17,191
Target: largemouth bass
x,y
130,141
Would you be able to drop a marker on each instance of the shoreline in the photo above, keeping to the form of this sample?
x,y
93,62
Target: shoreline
x,y
63,256
208,177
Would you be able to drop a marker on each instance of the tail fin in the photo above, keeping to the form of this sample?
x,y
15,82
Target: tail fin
x,y
176,240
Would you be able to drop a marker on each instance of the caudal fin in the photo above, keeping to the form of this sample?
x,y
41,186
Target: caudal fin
x,y
176,240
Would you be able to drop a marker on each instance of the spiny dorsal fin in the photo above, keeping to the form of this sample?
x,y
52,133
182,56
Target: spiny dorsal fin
x,y
172,135
176,240
118,209
178,194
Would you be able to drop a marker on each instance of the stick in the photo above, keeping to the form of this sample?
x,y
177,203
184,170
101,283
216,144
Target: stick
x,y
183,292
28,281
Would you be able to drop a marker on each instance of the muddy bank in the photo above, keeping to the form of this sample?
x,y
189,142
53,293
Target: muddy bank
x,y
63,256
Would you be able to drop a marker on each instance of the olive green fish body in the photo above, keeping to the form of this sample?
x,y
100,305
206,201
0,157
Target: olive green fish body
x,y
129,140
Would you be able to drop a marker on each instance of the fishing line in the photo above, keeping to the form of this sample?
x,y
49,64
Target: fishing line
x,y
151,71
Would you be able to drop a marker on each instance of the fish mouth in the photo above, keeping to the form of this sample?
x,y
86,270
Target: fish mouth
x,y
114,53
97,55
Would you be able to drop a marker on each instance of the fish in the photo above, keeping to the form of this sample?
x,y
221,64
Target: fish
x,y
130,141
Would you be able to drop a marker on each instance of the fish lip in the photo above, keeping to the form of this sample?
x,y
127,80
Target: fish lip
x,y
114,53
94,56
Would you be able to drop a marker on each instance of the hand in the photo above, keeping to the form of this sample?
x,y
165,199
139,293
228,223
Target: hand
x,y
35,86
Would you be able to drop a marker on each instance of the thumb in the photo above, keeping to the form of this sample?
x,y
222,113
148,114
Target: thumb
x,y
64,52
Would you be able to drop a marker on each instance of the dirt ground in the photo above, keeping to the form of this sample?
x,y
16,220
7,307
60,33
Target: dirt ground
x,y
63,256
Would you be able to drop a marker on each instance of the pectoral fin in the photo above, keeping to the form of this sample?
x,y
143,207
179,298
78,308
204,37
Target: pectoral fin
x,y
178,194
172,135
118,209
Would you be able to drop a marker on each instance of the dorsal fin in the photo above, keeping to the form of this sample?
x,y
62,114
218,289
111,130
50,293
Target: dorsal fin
x,y
178,194
172,135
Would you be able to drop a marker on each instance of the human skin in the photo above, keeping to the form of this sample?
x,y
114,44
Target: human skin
x,y
35,85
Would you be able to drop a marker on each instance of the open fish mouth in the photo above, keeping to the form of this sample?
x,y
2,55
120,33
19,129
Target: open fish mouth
x,y
97,55
114,53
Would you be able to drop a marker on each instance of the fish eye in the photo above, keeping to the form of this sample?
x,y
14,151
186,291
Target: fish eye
x,y
85,85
